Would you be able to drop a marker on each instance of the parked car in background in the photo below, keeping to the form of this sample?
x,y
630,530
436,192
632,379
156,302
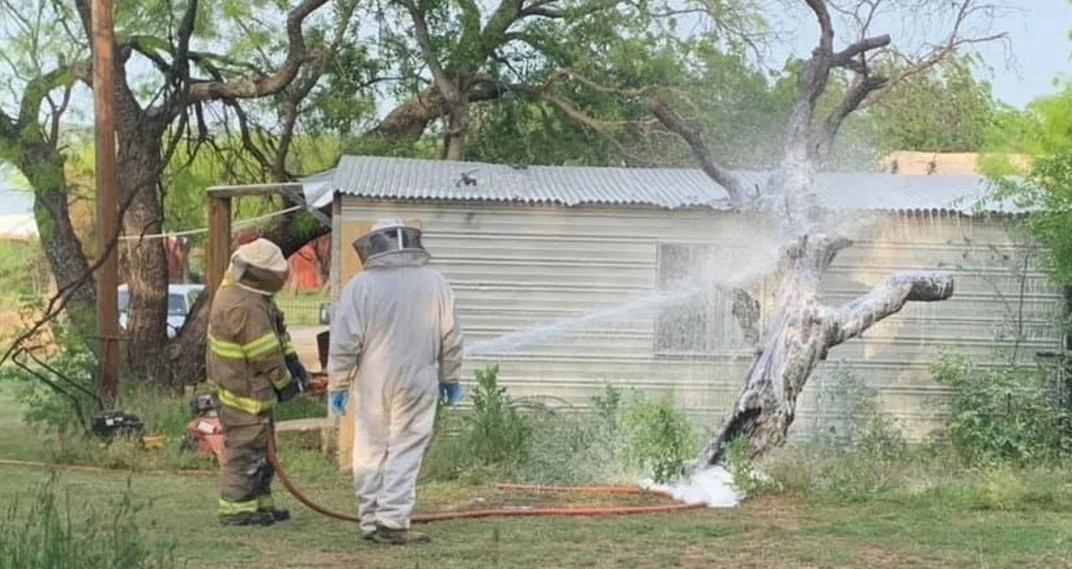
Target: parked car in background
x,y
181,298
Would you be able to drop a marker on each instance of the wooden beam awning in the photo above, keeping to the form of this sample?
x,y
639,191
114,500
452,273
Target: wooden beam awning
x,y
218,249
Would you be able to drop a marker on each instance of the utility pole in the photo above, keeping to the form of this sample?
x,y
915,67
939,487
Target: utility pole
x,y
107,204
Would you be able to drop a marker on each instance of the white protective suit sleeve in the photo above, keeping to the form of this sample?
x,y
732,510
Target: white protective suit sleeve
x,y
347,339
451,345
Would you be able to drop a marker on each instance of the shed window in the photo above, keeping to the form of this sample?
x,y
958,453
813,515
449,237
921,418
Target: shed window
x,y
701,322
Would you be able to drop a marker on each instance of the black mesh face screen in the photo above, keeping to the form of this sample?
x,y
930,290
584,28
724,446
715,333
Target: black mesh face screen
x,y
386,240
411,238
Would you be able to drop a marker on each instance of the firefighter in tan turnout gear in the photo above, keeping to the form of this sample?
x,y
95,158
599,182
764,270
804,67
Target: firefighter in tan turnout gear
x,y
252,366
396,346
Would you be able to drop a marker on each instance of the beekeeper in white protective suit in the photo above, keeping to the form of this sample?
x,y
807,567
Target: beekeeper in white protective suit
x,y
396,345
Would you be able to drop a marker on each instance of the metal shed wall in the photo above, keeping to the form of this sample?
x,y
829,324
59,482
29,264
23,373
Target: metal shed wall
x,y
515,267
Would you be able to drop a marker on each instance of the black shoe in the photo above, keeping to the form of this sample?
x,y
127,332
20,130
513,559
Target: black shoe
x,y
390,536
278,514
261,519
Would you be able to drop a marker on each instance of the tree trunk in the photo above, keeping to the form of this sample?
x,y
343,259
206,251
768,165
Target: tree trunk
x,y
42,165
457,127
409,120
139,162
799,337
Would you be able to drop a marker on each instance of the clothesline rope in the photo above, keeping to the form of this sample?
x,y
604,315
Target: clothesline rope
x,y
241,223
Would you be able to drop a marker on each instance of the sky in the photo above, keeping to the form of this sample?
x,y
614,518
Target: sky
x,y
1042,50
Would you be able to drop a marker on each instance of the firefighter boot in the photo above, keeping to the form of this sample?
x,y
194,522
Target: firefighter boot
x,y
390,536
266,505
261,519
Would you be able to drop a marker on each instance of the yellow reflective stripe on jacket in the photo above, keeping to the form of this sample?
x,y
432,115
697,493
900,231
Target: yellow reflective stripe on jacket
x,y
231,350
245,404
261,346
224,349
289,349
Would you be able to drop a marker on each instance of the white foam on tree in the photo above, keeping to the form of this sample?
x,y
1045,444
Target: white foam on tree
x,y
712,486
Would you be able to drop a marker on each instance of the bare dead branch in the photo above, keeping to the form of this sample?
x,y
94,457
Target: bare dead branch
x,y
858,92
911,66
826,26
728,179
843,57
887,298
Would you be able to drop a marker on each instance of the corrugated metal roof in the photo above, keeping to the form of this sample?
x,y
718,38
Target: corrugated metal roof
x,y
671,188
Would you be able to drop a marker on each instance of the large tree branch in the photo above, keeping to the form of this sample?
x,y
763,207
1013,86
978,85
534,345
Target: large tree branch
x,y
185,33
600,127
442,81
728,179
858,92
854,318
36,91
270,84
826,26
545,9
847,55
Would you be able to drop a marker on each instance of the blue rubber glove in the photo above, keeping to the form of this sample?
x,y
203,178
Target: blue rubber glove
x,y
450,393
337,402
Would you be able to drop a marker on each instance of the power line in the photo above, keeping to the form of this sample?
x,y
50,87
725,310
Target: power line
x,y
241,223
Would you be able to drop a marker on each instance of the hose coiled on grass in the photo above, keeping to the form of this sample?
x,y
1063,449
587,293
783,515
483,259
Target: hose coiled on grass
x,y
273,459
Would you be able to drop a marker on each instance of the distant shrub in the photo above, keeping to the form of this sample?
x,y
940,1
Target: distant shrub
x,y
1008,414
58,394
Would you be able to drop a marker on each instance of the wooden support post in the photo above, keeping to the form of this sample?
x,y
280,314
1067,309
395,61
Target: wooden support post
x,y
218,252
103,29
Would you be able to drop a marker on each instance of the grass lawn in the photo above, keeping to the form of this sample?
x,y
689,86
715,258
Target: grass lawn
x,y
769,531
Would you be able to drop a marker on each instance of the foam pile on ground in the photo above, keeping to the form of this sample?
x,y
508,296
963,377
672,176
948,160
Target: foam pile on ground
x,y
712,486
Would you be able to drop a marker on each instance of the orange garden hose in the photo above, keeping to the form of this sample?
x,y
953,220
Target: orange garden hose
x,y
273,459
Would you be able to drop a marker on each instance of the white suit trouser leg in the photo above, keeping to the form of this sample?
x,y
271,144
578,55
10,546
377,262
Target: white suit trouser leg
x,y
391,433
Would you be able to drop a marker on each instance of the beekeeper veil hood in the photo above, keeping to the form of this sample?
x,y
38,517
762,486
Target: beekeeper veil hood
x,y
260,266
388,236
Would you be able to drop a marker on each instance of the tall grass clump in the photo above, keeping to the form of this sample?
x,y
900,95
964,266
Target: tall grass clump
x,y
1003,446
615,439
659,438
854,451
578,447
44,532
490,440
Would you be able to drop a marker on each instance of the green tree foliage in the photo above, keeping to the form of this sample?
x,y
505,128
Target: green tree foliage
x,y
942,109
1045,186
